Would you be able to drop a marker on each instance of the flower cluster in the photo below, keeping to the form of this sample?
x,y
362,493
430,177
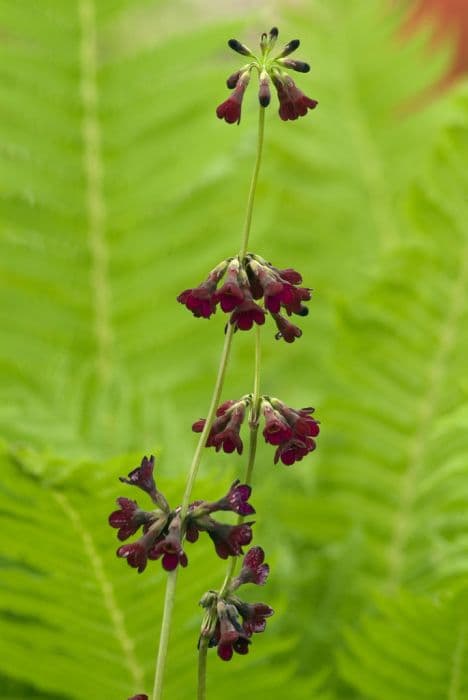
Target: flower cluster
x,y
164,530
229,622
292,101
291,430
247,281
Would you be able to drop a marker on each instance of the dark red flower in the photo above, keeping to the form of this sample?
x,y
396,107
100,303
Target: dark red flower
x,y
136,555
247,313
254,570
199,300
142,477
294,450
276,429
293,102
230,110
231,293
228,539
235,500
300,420
169,547
225,430
286,330
232,636
254,616
139,697
128,519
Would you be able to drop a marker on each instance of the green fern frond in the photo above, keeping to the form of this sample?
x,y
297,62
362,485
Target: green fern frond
x,y
410,648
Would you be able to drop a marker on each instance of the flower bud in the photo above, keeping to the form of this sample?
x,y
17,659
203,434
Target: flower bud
x,y
290,47
264,94
239,48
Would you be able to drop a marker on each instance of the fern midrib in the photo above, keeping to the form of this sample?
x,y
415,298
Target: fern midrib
x,y
95,202
426,414
114,611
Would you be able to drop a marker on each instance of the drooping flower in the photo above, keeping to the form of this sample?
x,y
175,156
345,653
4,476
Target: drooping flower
x,y
235,500
230,110
247,281
292,431
224,433
228,539
293,102
201,300
143,478
254,616
128,519
169,547
229,622
254,570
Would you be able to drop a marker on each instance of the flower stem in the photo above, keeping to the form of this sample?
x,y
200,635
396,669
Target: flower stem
x,y
172,578
252,449
202,654
208,421
164,636
253,183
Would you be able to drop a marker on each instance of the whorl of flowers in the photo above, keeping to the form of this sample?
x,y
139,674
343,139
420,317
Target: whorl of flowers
x,y
270,70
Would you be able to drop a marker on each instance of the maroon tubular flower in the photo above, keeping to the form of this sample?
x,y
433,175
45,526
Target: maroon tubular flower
x,y
228,539
300,420
139,697
225,430
128,519
200,300
142,476
286,330
254,616
294,450
232,636
230,110
170,548
293,102
135,554
230,294
253,569
236,500
276,429
247,313
290,275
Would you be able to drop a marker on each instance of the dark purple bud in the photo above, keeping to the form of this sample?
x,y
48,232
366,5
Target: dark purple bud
x,y
264,94
274,33
238,47
231,82
290,47
298,66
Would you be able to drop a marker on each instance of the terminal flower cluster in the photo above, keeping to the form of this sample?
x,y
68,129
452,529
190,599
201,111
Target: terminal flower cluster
x,y
247,281
229,622
270,70
164,530
292,431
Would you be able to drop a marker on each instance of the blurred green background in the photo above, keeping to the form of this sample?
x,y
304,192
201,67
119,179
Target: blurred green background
x,y
119,188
